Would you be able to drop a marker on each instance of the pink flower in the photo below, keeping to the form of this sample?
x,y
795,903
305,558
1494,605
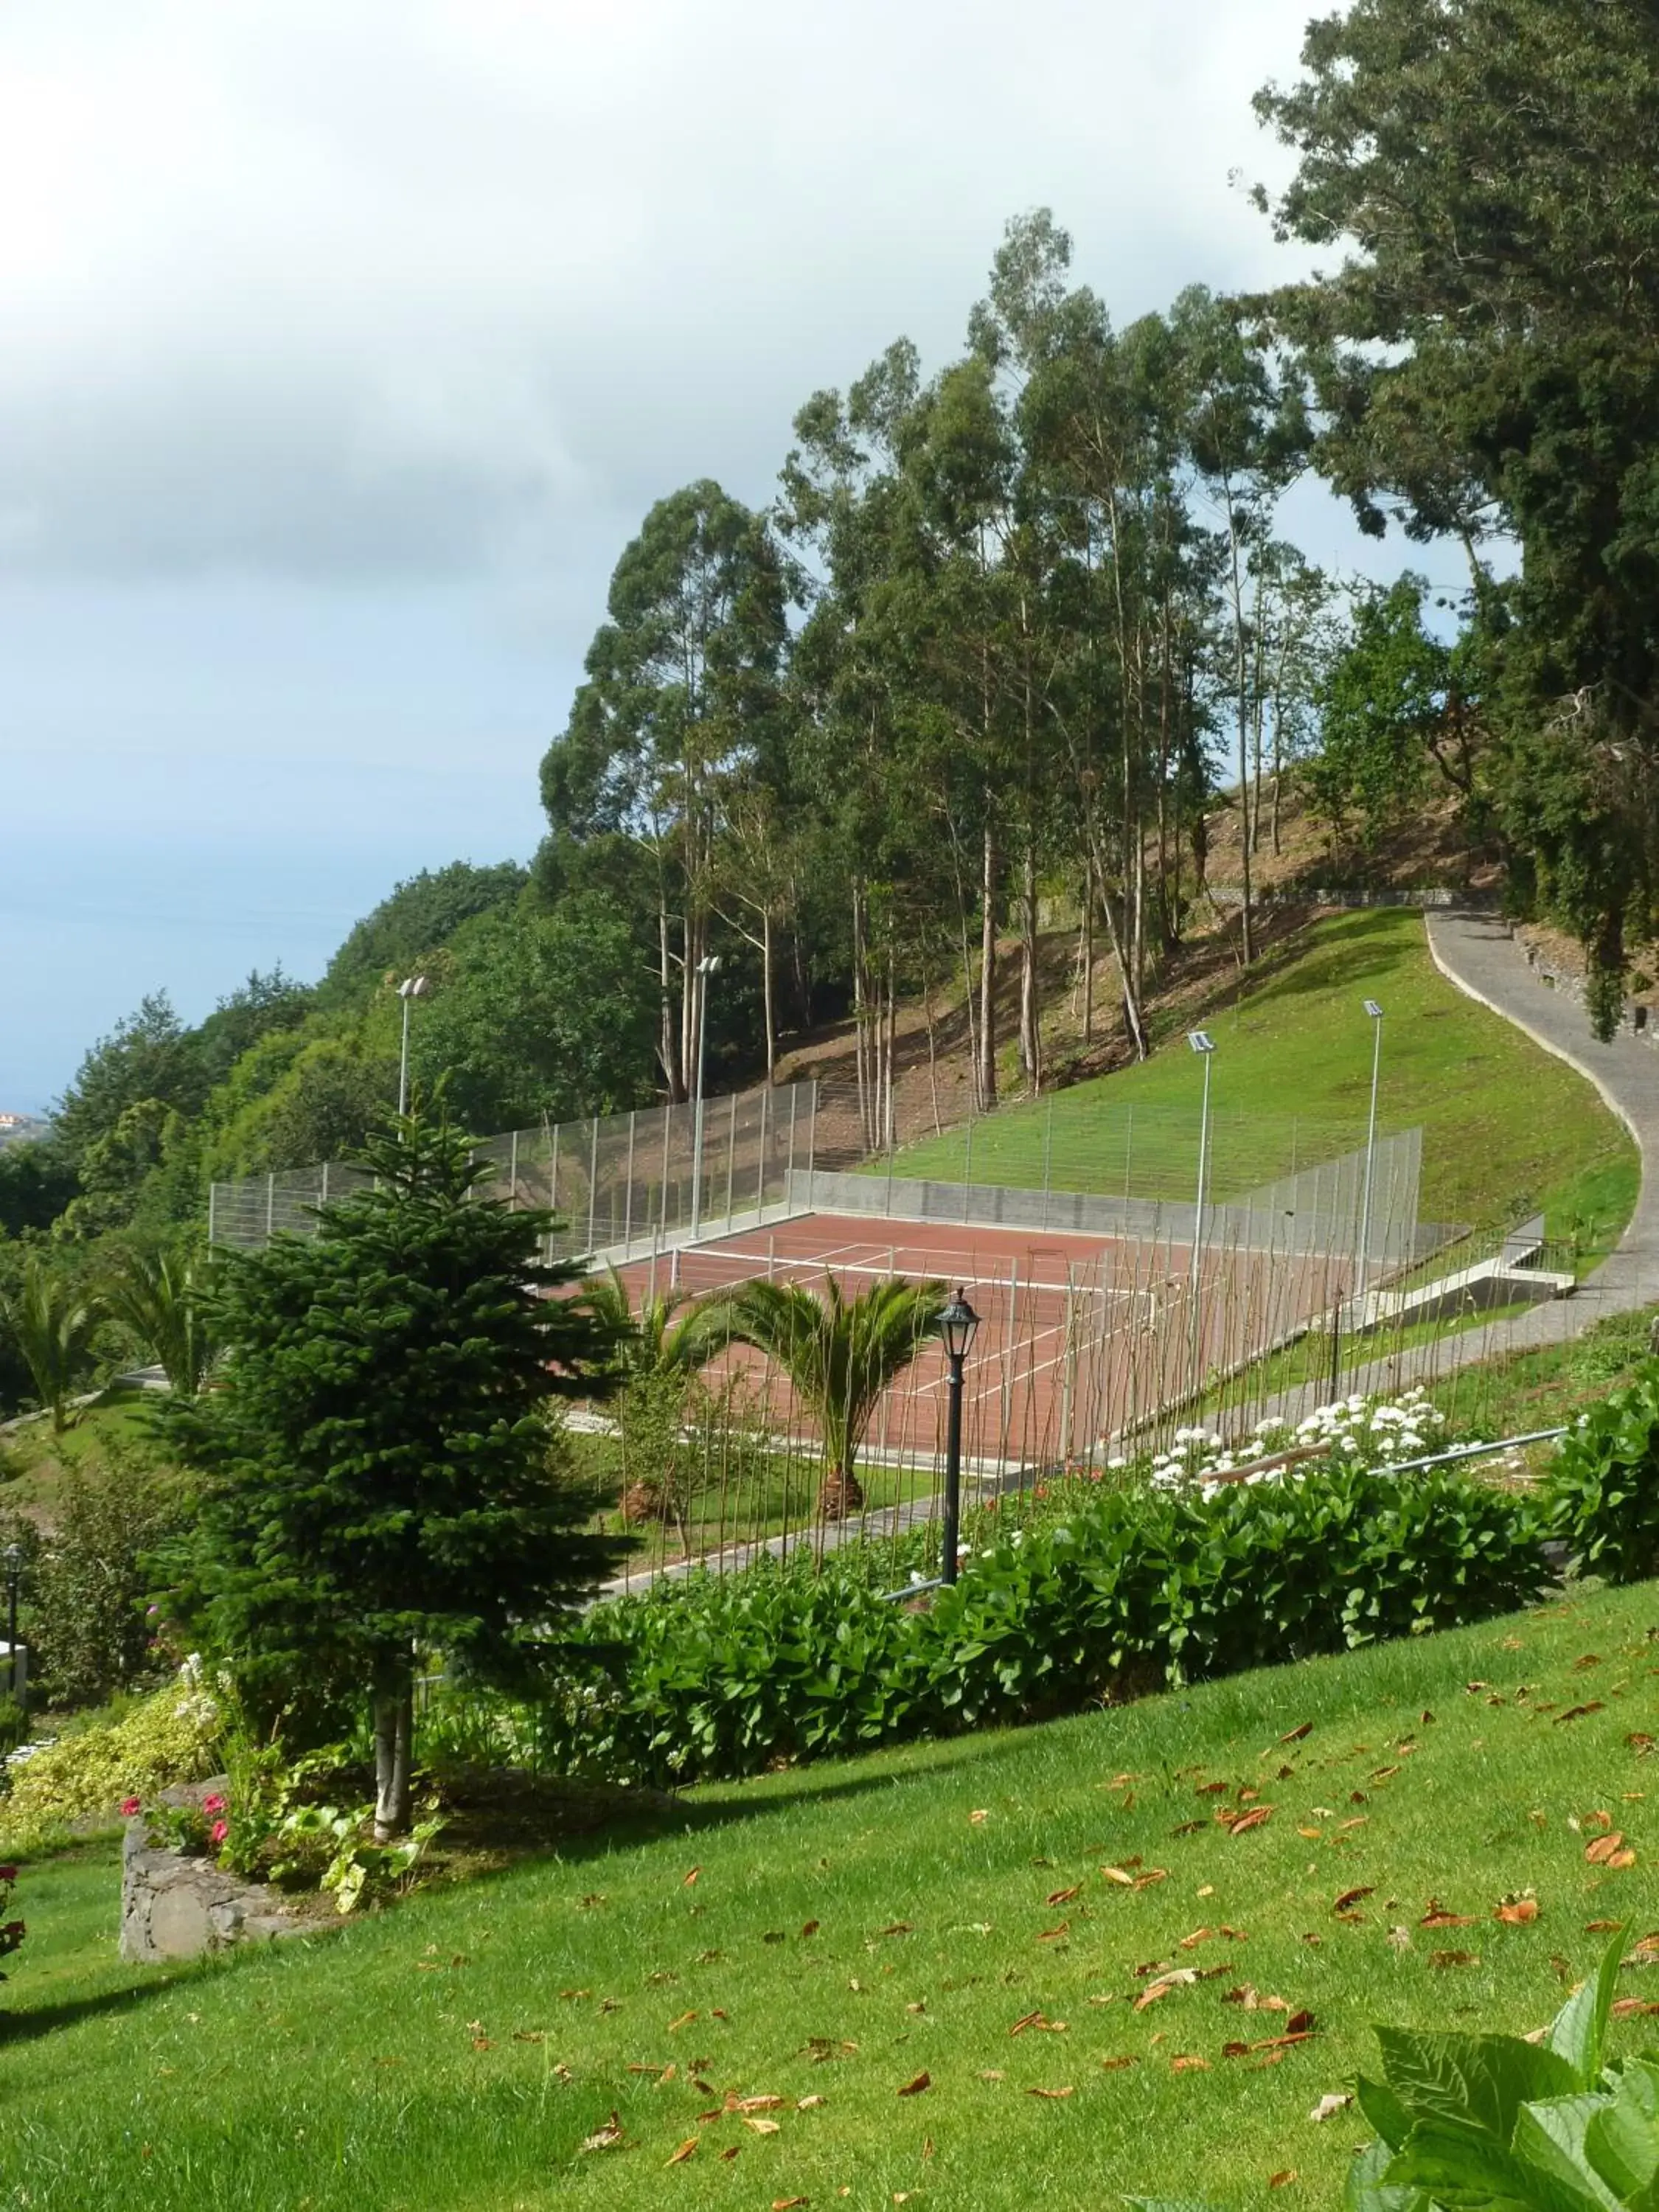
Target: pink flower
x,y
218,1831
213,1804
131,1805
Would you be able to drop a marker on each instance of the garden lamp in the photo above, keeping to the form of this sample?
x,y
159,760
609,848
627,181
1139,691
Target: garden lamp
x,y
957,1324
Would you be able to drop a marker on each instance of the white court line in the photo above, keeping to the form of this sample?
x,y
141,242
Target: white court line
x,y
989,1286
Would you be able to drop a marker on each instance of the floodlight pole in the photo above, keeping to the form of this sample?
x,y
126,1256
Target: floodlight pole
x,y
14,1557
1201,1042
709,965
1376,1013
411,988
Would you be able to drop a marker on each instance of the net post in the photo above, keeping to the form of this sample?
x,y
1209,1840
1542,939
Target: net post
x,y
592,1184
628,1186
812,1152
667,1134
789,1171
760,1170
731,1159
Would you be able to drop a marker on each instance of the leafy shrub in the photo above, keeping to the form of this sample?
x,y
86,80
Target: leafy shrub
x,y
710,1678
1603,1487
167,1738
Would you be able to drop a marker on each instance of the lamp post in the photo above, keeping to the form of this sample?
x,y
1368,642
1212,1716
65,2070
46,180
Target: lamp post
x,y
709,965
957,1325
1375,1011
1201,1042
13,1558
411,988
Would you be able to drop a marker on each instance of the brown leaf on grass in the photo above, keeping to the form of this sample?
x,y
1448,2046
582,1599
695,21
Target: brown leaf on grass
x,y
690,1878
1633,2008
684,2020
1641,1744
1189,2064
1053,1935
1358,1821
756,2103
810,2103
1621,1860
1352,1897
1333,2102
1517,1912
1296,1735
809,1928
687,2149
1190,1828
1117,1874
731,2152
1116,2065
915,2086
979,1817
1199,1935
788,2203
1242,1822
1064,1896
1602,1851
1438,1916
1054,2093
1183,1977
1454,1959
1598,1819
762,2127
896,1928
1284,2178
609,2137
1385,1773
1577,1712
1606,1928
1152,1874
1312,1834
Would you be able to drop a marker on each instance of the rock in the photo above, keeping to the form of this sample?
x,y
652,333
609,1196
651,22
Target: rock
x,y
176,1906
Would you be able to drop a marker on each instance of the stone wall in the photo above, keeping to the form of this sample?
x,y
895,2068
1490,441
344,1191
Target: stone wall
x,y
174,1905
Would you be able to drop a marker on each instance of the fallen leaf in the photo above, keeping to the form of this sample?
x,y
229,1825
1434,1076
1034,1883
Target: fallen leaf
x,y
762,2127
810,2103
1199,1935
1631,2008
687,2149
757,2103
1313,1835
977,1819
896,1928
1152,1874
684,2020
1605,1928
1284,2178
608,2137
1190,2064
1453,1958
1385,1773
691,1877
1190,1828
1243,1822
788,2203
1117,1874
1517,1912
1621,1859
1602,1851
1116,2065
1051,1935
915,2088
809,1928
1352,1897
1296,1735
1333,2102
731,2152
1161,1988
1048,2093
1064,1896
1576,1712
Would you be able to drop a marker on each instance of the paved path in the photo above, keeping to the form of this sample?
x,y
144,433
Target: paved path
x,y
1477,953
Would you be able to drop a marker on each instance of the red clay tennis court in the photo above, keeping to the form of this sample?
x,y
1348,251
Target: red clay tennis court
x,y
1082,1337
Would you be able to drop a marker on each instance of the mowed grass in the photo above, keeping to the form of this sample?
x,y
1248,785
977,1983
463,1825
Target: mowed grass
x,y
1507,1129
839,1934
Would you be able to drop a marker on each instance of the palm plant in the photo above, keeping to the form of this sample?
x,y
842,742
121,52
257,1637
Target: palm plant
x,y
839,1353
662,1345
51,1319
162,1301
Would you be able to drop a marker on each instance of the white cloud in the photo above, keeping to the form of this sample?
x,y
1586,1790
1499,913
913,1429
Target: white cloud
x,y
388,286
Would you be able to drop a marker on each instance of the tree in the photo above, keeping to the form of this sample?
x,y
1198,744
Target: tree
x,y
149,1059
540,1015
662,1345
840,1354
380,1475
1482,362
51,1319
422,914
165,1301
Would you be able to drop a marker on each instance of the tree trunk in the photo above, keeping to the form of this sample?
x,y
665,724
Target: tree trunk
x,y
1030,1039
767,992
840,1495
667,1049
987,976
394,1729
1088,934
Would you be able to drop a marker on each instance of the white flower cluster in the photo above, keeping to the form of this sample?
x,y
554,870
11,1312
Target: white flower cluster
x,y
1366,1432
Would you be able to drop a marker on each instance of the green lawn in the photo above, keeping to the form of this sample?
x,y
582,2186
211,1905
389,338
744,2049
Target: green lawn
x,y
837,1934
1508,1128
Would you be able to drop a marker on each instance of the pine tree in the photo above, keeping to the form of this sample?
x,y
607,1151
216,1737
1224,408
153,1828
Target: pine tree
x,y
381,1477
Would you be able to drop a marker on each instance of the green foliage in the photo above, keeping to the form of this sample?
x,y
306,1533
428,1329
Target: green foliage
x,y
839,1353
164,1301
539,1017
88,1578
50,1319
422,914
36,1183
170,1738
1480,2121
660,1347
711,1677
379,1470
1603,1486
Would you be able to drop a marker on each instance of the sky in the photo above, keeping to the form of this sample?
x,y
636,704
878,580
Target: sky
x,y
345,344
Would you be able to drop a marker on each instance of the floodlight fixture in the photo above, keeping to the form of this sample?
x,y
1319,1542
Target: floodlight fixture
x,y
1200,1041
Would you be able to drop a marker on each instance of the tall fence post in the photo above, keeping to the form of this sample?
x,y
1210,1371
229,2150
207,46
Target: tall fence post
x,y
789,1171
760,1171
512,1173
270,1207
812,1152
593,1184
731,1160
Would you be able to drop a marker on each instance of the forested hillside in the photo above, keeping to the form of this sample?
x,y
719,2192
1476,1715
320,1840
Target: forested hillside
x,y
1017,633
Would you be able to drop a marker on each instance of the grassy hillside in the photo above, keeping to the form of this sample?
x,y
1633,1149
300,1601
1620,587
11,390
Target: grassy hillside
x,y
937,1919
1507,1129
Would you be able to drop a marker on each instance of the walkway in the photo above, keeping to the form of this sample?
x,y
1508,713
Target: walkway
x,y
1478,954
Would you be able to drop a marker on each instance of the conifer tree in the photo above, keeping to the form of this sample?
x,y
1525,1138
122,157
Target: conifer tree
x,y
381,1478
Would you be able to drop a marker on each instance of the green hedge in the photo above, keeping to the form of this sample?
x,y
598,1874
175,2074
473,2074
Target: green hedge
x,y
1128,1589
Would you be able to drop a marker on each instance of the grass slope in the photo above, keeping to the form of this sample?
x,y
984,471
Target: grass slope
x,y
1508,1130
835,1936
